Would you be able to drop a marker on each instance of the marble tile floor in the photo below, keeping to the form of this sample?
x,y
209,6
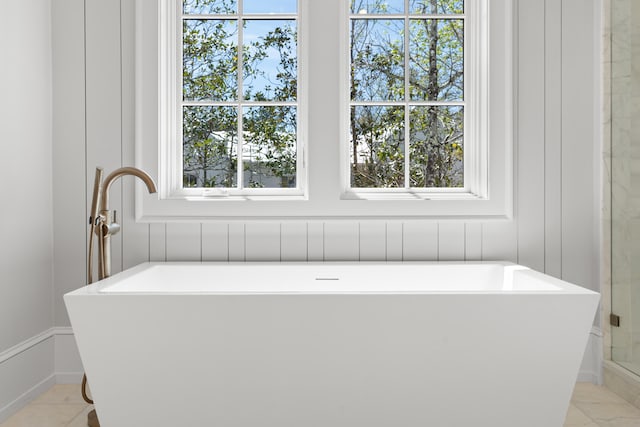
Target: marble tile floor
x,y
591,406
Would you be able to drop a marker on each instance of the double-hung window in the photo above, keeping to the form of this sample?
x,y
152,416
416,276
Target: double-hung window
x,y
239,96
407,90
325,109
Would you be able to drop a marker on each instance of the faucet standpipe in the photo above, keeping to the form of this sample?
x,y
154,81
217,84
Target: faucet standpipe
x,y
104,225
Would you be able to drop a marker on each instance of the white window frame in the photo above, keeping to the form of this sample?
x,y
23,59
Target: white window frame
x,y
475,171
323,113
172,80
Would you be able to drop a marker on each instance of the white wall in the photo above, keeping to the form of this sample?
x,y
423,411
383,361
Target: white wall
x,y
555,229
26,232
556,226
91,124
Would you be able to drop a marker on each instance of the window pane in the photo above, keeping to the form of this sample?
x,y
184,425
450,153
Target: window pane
x,y
436,7
377,59
210,144
437,59
270,60
377,146
209,60
212,7
377,6
269,147
436,149
272,6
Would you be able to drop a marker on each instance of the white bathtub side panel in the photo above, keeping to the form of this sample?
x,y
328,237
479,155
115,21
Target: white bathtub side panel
x,y
332,360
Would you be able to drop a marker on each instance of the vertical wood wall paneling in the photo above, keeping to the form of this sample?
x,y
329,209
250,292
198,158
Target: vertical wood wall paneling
x,y
315,241
237,241
293,241
104,105
215,241
563,166
451,241
373,241
553,138
262,240
420,241
157,242
500,241
341,241
578,225
70,212
394,240
473,241
184,241
530,133
500,238
135,236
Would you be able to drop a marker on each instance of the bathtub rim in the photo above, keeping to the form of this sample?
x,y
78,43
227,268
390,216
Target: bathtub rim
x,y
562,287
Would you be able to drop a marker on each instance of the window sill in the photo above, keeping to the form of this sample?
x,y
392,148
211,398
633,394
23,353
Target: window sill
x,y
149,208
445,194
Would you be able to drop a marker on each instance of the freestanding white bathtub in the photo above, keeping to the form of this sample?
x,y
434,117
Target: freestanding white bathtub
x,y
331,345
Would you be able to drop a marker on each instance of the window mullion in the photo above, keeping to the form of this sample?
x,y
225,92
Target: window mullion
x,y
177,164
407,97
240,96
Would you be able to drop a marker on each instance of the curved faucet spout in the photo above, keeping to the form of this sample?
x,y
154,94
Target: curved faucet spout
x,y
151,186
107,225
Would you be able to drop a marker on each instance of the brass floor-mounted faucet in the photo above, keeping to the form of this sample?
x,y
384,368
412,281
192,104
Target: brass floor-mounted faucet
x,y
104,225
103,221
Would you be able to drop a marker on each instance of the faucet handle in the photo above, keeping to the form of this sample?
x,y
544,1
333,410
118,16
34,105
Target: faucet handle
x,y
114,227
110,229
107,223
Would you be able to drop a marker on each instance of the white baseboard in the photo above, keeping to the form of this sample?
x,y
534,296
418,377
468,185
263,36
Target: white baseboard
x,y
26,370
26,397
36,364
622,382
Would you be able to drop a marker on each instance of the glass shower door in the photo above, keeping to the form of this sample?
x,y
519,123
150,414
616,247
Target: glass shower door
x,y
625,183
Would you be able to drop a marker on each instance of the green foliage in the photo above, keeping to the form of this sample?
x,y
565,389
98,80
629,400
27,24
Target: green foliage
x,y
210,74
212,7
271,130
379,146
382,73
435,73
281,86
436,149
210,66
209,146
